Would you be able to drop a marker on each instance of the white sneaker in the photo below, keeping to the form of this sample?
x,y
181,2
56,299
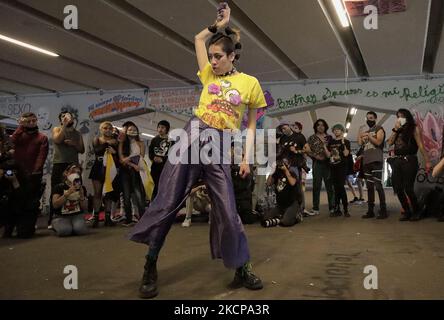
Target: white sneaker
x,y
118,218
313,212
186,223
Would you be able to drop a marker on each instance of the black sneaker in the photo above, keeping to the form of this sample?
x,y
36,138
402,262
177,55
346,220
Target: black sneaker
x,y
346,214
245,278
355,200
404,217
148,287
382,214
368,215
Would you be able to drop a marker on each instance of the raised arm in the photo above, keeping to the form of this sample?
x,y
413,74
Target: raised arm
x,y
201,38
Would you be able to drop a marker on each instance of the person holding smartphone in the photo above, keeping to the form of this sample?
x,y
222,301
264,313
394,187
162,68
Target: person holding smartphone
x,y
226,95
68,144
407,139
70,203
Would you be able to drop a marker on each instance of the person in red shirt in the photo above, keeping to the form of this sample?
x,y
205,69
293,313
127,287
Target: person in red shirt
x,y
31,150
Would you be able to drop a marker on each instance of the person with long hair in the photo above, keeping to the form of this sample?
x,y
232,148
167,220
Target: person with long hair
x,y
226,94
407,139
104,143
131,153
315,148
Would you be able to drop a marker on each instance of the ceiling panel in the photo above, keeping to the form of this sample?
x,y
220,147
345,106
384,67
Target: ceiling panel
x,y
25,75
62,67
102,21
18,88
181,17
301,30
65,43
397,46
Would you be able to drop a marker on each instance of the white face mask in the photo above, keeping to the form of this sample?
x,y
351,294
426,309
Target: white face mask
x,y
402,121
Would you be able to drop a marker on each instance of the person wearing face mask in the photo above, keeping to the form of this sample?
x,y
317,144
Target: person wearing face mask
x,y
131,153
407,139
31,150
68,143
106,143
69,202
372,138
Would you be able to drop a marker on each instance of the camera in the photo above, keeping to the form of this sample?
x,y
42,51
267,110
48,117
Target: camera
x,y
77,183
9,173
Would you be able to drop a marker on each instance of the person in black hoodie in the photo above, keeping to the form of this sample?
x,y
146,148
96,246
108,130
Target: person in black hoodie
x,y
158,152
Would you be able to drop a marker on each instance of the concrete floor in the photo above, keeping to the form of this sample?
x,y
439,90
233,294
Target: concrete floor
x,y
322,258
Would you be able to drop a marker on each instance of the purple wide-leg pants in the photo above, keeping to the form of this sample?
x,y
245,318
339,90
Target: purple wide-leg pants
x,y
227,236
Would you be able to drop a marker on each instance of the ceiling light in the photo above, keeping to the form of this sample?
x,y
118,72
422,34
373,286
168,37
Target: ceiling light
x,y
29,46
341,12
347,125
345,135
354,111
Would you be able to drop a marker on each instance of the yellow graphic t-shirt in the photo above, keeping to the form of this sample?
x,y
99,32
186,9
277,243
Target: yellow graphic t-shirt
x,y
224,99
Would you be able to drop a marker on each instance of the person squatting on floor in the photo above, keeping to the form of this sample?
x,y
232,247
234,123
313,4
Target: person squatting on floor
x,y
338,150
68,144
70,203
288,210
372,137
225,96
198,200
407,139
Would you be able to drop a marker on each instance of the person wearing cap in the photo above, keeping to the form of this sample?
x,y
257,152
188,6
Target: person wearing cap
x,y
69,202
338,150
158,152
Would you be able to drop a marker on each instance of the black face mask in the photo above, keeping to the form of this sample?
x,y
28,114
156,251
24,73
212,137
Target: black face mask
x,y
371,123
32,130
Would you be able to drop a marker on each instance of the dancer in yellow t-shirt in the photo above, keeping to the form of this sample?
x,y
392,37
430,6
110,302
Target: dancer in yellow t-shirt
x,y
227,94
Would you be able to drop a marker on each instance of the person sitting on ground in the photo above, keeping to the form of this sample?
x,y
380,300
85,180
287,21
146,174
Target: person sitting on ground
x,y
69,202
288,194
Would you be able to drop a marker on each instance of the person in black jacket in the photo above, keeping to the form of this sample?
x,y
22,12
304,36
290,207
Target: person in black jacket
x,y
158,152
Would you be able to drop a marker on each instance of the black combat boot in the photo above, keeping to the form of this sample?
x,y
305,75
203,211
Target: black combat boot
x,y
148,287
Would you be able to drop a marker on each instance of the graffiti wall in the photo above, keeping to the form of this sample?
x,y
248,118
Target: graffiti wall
x,y
86,107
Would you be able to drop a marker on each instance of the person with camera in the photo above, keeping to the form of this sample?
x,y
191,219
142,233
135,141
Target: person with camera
x,y
315,148
288,209
372,137
30,152
69,202
68,144
158,153
8,185
338,151
106,143
407,139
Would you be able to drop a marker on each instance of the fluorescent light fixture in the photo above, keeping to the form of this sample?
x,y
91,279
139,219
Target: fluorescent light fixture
x,y
147,135
345,135
354,111
342,14
347,125
28,46
143,133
